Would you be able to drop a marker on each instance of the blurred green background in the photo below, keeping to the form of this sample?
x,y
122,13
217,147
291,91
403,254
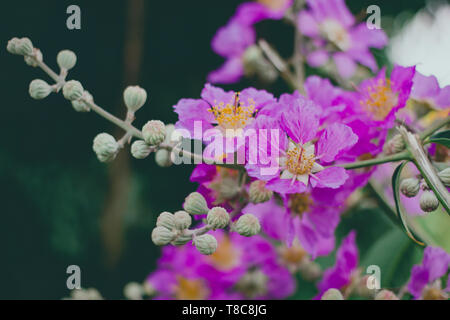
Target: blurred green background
x,y
59,205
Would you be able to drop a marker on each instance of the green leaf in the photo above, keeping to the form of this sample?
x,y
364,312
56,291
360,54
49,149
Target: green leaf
x,y
398,206
442,137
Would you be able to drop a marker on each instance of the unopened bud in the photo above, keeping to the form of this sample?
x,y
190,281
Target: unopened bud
x,y
80,105
256,64
258,192
195,203
66,59
206,244
39,89
332,294
134,97
365,287
154,132
410,187
140,149
428,201
162,158
166,219
33,60
133,291
386,295
181,240
247,225
310,270
182,220
162,236
22,46
218,218
105,147
73,90
444,175
395,145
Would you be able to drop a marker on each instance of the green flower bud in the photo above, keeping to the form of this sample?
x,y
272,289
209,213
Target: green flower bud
x,y
195,203
66,59
162,158
410,187
162,236
428,201
22,46
386,295
73,90
206,244
134,97
133,291
140,149
80,105
444,175
32,60
105,147
258,192
181,240
247,225
310,270
166,220
182,220
39,89
218,218
252,284
395,145
154,132
332,294
12,45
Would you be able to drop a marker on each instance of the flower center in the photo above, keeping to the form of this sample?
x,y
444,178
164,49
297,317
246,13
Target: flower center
x,y
226,256
380,99
225,184
434,294
300,203
334,32
299,162
292,255
190,289
235,115
273,4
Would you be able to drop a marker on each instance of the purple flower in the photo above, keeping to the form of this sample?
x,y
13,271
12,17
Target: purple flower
x,y
426,89
305,150
434,265
330,22
340,275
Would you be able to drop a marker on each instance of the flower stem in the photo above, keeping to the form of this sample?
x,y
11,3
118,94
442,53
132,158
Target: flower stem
x,y
405,155
435,127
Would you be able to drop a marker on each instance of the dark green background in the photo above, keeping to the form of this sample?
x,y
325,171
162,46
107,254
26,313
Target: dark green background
x,y
51,185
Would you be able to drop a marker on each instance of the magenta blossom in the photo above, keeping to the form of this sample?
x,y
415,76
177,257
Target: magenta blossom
x,y
340,275
426,89
434,265
330,22
303,149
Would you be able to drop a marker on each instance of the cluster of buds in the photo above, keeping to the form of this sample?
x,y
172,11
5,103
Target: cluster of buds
x,y
174,228
410,187
25,48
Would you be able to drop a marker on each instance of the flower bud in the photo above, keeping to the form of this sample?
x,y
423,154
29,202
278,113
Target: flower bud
x,y
66,59
22,46
39,89
105,147
80,105
410,187
140,149
195,203
428,201
256,64
182,220
133,291
181,240
258,192
166,220
252,284
218,218
32,60
247,225
206,244
162,236
386,295
310,270
162,158
73,90
364,284
444,175
395,145
134,97
154,132
332,294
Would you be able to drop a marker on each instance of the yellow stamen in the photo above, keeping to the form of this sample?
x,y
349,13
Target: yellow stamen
x,y
190,289
380,99
298,162
300,203
235,115
226,256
